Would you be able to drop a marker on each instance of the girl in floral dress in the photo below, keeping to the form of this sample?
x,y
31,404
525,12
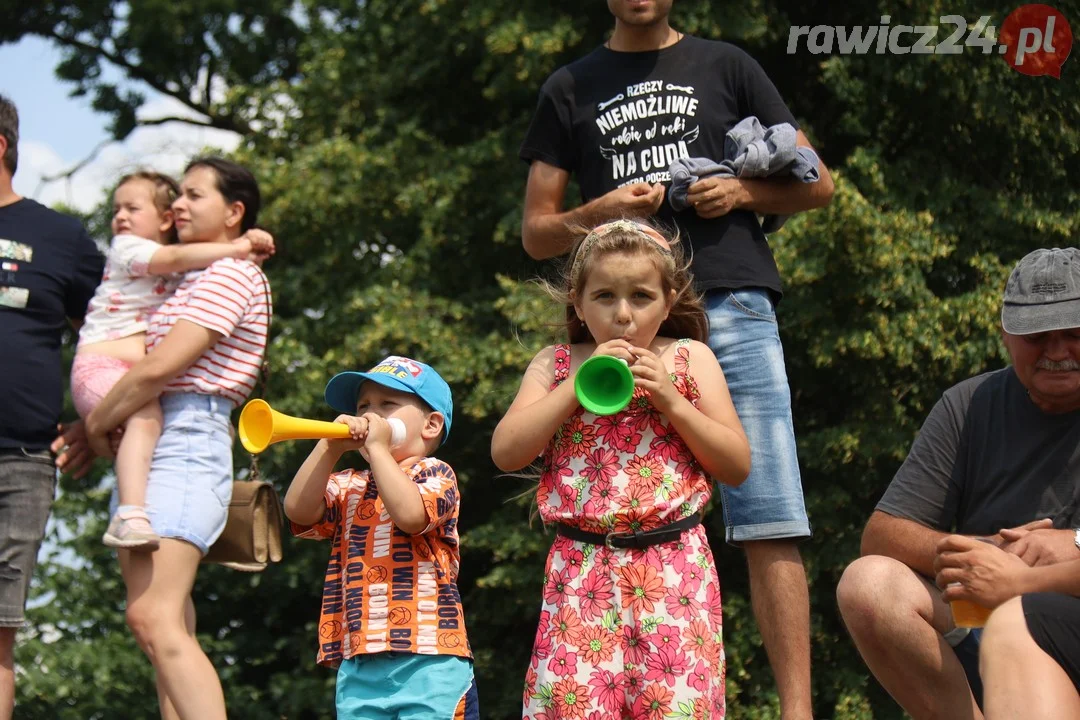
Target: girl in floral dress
x,y
630,625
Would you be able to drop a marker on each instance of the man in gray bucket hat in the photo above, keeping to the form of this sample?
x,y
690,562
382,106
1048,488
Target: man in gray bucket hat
x,y
1043,293
998,460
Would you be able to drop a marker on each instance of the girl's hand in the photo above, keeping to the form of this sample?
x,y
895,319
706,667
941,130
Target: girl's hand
x,y
651,374
618,348
358,429
262,242
378,431
254,245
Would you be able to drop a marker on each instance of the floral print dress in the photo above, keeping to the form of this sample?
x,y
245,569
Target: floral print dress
x,y
626,634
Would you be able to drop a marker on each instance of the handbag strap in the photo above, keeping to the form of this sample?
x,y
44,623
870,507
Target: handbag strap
x,y
254,472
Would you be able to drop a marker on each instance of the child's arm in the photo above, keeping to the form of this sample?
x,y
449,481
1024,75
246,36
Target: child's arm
x,y
178,258
399,493
534,416
712,430
305,499
536,412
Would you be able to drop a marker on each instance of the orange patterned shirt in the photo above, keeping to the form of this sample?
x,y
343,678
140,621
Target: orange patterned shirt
x,y
386,590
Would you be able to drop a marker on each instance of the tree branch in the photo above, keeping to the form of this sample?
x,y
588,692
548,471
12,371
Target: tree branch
x,y
120,61
66,174
209,79
218,121
176,118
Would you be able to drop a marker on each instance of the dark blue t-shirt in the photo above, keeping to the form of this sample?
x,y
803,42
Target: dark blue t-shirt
x,y
614,118
49,268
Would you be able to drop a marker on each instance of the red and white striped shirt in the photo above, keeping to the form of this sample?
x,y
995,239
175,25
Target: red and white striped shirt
x,y
231,297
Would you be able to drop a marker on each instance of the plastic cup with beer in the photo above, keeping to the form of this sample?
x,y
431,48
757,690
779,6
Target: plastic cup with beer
x,y
968,614
604,384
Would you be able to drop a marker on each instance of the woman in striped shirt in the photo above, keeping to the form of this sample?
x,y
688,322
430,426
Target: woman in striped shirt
x,y
205,346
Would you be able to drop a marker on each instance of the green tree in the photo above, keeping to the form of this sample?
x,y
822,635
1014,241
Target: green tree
x,y
385,136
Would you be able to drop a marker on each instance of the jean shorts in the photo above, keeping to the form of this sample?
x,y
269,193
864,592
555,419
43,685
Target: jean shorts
x,y
744,337
191,476
27,487
405,686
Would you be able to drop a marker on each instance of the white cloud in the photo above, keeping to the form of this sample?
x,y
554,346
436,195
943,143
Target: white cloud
x,y
165,148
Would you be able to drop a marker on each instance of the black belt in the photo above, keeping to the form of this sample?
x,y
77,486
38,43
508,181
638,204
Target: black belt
x,y
636,539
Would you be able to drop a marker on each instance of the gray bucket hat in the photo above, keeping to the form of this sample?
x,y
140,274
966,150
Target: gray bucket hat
x,y
1043,293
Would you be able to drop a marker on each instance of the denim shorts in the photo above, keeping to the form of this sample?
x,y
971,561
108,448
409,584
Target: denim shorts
x,y
406,686
187,497
744,336
27,487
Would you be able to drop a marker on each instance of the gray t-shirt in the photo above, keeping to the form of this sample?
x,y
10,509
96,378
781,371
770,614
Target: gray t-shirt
x,y
987,458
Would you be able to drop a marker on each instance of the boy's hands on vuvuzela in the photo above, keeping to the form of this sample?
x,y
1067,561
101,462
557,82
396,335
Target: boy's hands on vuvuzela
x,y
378,431
358,431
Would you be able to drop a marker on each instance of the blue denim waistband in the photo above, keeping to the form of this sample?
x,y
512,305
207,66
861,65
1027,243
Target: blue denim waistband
x,y
173,402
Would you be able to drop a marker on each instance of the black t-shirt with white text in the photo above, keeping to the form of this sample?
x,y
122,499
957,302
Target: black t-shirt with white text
x,y
988,458
616,118
49,269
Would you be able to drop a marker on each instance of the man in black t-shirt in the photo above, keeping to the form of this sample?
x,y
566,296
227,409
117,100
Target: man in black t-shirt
x,y
49,268
616,119
998,458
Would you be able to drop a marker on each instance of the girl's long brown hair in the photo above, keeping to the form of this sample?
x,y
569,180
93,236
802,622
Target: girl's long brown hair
x,y
686,319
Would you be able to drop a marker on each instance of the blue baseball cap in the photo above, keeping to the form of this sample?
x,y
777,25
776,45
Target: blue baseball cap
x,y
396,373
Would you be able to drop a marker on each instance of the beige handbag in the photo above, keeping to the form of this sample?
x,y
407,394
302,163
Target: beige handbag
x,y
252,536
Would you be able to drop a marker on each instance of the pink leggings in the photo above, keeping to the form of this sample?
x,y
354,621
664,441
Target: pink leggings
x,y
92,377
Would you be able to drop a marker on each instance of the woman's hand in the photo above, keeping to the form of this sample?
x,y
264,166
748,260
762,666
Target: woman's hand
x,y
114,440
652,375
98,435
100,444
970,569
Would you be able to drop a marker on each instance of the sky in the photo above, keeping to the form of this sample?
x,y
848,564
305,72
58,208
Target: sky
x,y
57,131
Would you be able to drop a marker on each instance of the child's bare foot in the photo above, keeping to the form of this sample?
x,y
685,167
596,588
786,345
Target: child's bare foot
x,y
131,530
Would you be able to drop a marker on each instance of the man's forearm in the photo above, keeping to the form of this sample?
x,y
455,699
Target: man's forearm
x,y
909,542
1060,577
776,196
139,386
549,235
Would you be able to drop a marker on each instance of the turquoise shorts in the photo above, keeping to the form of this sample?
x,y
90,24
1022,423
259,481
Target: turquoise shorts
x,y
405,686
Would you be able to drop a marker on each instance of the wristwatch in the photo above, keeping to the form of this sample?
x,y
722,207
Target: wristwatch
x,y
1076,539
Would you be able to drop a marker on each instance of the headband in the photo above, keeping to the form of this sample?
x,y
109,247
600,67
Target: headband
x,y
602,231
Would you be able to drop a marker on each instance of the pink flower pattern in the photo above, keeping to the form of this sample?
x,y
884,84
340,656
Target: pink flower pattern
x,y
626,633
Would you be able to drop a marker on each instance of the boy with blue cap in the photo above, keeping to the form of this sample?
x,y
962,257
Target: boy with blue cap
x,y
391,617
